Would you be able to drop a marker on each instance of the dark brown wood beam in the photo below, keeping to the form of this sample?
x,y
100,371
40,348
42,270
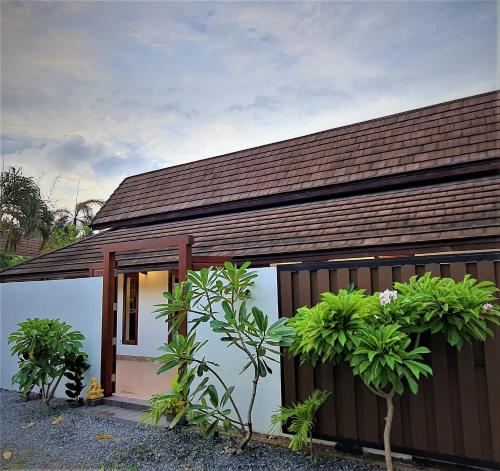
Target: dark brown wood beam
x,y
183,242
108,298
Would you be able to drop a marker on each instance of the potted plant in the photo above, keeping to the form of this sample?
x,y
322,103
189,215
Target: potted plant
x,y
171,402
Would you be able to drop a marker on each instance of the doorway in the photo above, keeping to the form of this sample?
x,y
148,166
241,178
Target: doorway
x,y
139,334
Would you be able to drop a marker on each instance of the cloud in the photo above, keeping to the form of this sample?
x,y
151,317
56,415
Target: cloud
x,y
177,109
122,166
71,153
261,102
99,90
11,144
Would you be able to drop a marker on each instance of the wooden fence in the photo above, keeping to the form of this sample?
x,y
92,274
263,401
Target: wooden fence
x,y
456,414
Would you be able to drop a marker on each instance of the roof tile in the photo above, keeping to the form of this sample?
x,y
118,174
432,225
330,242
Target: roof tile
x,y
442,134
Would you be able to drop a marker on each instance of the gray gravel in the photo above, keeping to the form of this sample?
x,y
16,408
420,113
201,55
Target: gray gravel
x,y
72,444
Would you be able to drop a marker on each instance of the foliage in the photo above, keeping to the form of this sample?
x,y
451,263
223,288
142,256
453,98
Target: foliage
x,y
384,360
43,347
389,307
76,366
221,296
172,401
9,260
301,416
23,211
382,344
326,331
459,310
81,216
65,235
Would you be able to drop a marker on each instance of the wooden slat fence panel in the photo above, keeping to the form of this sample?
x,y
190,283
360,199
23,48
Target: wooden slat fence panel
x,y
456,414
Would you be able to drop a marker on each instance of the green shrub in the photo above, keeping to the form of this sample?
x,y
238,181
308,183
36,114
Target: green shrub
x,y
76,366
44,347
459,310
384,359
326,331
172,401
9,260
301,417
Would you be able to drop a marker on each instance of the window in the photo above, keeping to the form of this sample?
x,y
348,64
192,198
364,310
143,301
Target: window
x,y
130,308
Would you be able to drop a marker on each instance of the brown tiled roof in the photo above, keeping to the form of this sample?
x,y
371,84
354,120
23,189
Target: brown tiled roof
x,y
446,212
448,133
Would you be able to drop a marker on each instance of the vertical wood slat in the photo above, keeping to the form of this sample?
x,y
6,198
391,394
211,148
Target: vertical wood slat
x,y
434,268
326,418
442,407
468,400
418,417
342,278
486,271
435,425
305,374
467,386
385,281
345,399
345,403
286,310
407,271
368,419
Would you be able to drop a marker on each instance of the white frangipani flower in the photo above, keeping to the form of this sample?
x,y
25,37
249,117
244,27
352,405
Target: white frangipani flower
x,y
387,296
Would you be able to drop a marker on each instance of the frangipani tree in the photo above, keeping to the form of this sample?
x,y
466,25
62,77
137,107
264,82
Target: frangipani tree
x,y
220,297
380,336
387,364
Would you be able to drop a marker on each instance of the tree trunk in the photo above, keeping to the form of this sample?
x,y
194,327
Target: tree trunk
x,y
248,436
387,431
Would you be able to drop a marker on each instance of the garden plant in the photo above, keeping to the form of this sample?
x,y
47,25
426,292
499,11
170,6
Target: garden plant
x,y
301,417
380,335
45,350
221,297
171,403
76,366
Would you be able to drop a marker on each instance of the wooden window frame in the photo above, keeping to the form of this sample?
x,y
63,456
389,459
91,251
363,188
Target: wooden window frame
x,y
126,341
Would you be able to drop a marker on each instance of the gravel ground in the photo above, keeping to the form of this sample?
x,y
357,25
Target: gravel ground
x,y
27,431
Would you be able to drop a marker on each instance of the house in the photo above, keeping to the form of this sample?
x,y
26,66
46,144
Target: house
x,y
419,182
27,247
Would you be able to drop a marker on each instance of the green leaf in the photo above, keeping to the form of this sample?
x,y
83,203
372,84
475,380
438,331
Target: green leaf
x,y
212,393
226,395
177,417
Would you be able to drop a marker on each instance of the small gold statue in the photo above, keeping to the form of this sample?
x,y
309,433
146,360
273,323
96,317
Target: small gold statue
x,y
95,391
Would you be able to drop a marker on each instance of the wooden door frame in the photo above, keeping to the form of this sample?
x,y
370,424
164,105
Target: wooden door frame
x,y
109,251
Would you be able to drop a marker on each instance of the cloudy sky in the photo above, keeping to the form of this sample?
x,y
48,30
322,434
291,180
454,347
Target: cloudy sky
x,y
99,91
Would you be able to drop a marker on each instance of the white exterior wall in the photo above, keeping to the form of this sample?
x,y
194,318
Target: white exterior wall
x,y
231,359
152,333
76,301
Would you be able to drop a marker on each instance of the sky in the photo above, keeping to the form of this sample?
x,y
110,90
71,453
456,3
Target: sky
x,y
94,92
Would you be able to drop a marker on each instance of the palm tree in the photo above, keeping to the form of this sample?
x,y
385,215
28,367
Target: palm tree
x,y
81,216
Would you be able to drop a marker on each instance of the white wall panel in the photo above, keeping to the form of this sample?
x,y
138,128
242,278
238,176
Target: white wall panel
x,y
76,301
231,360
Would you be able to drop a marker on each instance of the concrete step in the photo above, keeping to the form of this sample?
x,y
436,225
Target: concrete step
x,y
125,403
127,415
